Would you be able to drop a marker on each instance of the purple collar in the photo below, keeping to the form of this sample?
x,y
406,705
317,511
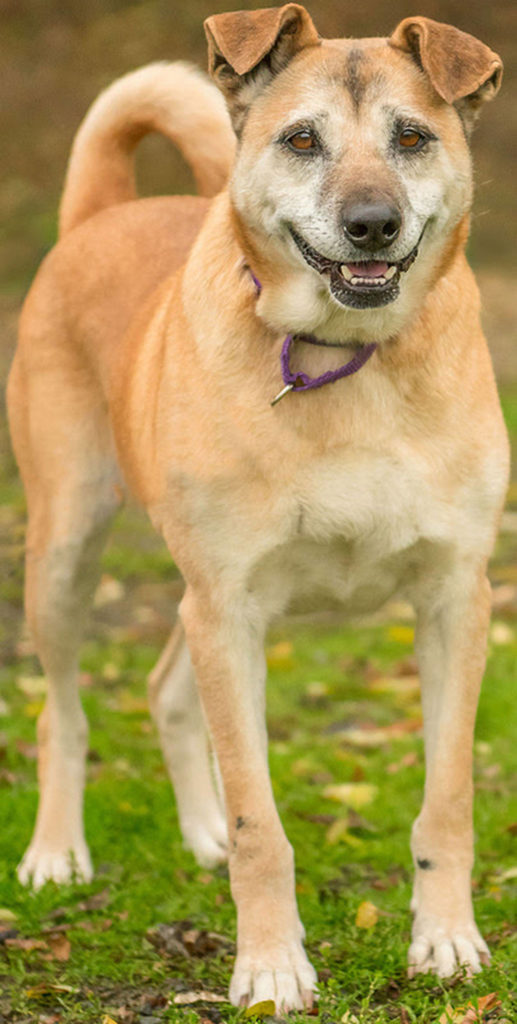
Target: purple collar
x,y
301,381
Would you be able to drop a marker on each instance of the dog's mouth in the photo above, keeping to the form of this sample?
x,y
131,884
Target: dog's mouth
x,y
365,284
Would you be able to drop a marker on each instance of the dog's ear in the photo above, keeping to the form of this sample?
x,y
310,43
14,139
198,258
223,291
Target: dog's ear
x,y
463,70
247,48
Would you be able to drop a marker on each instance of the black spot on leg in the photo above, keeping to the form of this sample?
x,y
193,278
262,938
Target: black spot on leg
x,y
240,823
426,865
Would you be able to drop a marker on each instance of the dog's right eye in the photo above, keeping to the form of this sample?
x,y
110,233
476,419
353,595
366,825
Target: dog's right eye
x,y
302,141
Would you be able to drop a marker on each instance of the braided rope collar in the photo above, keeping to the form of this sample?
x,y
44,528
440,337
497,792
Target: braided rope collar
x,y
301,381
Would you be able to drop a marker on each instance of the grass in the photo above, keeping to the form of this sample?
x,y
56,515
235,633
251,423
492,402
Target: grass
x,y
324,679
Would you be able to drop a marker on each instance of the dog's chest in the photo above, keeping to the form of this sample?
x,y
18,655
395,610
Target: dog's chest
x,y
353,529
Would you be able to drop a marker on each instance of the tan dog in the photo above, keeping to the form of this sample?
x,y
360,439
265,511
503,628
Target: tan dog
x,y
150,354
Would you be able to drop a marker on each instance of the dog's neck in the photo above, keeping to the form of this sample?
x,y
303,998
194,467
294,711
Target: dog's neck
x,y
301,381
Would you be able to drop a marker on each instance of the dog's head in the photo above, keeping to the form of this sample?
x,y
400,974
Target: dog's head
x,y
353,169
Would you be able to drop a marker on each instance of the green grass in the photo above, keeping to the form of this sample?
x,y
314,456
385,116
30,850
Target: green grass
x,y
143,875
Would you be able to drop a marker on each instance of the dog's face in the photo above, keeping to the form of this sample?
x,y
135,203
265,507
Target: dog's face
x,y
353,167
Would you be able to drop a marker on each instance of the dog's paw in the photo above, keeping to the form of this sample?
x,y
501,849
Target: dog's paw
x,y
208,843
445,950
41,864
287,978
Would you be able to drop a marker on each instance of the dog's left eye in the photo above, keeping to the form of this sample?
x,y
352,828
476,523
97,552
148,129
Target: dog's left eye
x,y
410,138
302,141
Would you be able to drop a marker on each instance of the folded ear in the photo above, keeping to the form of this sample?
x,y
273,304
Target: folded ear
x,y
462,70
247,48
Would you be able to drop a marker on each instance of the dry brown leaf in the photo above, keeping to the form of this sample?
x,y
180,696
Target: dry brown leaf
x,y
27,945
45,988
96,902
187,998
472,1013
60,946
367,915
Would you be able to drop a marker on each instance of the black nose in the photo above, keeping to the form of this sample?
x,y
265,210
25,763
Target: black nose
x,y
372,225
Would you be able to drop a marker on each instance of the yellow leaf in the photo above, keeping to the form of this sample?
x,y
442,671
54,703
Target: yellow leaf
x,y
404,688
338,833
32,686
280,655
316,690
6,916
401,634
367,915
451,1015
501,634
34,708
266,1008
108,1020
353,794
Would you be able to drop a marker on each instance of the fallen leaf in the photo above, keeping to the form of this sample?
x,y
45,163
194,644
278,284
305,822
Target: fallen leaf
x,y
401,634
32,686
367,915
28,750
501,634
506,876
266,1008
186,998
95,902
280,655
405,687
108,1020
354,794
108,591
33,709
27,945
7,915
45,988
338,833
471,1013
60,946
181,938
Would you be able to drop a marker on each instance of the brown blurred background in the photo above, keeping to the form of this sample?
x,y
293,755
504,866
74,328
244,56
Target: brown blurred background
x,y
56,55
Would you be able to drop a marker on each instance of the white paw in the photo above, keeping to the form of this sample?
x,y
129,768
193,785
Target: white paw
x,y
286,977
208,843
445,950
41,864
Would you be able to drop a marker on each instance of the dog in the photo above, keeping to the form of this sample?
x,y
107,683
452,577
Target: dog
x,y
290,375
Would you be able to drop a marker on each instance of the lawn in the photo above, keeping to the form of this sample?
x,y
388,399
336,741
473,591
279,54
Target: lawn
x,y
343,707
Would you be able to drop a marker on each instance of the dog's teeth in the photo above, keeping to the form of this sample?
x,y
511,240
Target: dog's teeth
x,y
369,282
391,271
346,272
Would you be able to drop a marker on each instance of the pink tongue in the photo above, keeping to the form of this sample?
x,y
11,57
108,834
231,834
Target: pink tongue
x,y
372,269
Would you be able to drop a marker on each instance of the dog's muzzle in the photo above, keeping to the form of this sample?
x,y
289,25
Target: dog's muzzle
x,y
364,284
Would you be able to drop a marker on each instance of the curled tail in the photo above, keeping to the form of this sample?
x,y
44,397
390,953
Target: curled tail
x,y
175,99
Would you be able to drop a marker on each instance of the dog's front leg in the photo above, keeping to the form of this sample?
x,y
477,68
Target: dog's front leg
x,y
226,646
451,649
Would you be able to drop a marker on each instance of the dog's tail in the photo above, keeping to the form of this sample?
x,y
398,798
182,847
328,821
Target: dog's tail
x,y
175,99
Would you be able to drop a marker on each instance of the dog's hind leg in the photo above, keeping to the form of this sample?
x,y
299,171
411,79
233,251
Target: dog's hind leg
x,y
63,446
176,708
